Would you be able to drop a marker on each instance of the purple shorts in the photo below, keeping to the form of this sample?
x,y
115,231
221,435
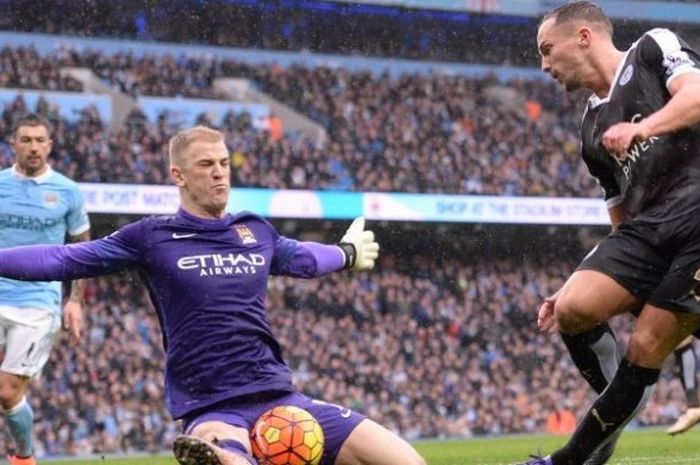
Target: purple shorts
x,y
337,422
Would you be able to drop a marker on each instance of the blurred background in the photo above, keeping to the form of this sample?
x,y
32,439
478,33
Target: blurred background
x,y
431,118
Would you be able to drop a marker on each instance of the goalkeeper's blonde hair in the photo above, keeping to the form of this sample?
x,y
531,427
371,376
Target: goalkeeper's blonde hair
x,y
183,139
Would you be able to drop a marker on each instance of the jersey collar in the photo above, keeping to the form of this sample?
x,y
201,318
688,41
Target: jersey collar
x,y
37,179
206,222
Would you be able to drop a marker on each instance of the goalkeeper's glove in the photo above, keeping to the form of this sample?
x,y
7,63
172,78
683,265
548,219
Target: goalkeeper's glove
x,y
361,250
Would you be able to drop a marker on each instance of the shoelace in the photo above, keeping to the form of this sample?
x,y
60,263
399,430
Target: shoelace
x,y
537,456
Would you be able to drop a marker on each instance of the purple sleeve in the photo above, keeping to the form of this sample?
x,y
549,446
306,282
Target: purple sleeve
x,y
72,261
306,259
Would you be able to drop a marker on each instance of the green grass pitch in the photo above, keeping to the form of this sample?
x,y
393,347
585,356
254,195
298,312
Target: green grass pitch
x,y
648,447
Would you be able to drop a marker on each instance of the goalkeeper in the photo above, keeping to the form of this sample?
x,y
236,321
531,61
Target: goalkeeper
x,y
206,272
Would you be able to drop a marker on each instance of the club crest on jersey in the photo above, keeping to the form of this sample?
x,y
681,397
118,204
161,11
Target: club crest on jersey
x,y
50,199
245,234
626,75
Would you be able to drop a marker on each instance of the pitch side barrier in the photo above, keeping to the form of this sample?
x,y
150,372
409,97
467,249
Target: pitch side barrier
x,y
139,199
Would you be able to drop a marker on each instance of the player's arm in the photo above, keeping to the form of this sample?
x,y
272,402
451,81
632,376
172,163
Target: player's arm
x,y
123,249
678,66
78,225
600,167
78,286
682,111
73,310
357,250
51,262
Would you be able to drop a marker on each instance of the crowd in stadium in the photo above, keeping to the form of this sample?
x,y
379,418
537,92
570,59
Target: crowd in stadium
x,y
429,349
411,133
23,68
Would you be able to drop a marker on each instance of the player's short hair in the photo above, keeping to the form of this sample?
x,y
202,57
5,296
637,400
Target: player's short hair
x,y
32,120
183,139
580,10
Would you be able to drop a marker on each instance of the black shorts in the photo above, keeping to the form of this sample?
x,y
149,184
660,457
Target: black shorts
x,y
659,263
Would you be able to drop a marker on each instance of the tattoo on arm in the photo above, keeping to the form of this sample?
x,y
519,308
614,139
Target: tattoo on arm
x,y
77,289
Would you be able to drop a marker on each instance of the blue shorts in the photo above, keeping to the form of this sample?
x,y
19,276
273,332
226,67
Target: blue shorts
x,y
337,422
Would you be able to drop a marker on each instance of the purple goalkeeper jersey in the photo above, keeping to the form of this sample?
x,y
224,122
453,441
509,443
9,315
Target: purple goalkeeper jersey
x,y
207,280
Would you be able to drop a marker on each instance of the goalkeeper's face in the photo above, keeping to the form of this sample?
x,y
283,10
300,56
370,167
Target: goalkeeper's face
x,y
204,177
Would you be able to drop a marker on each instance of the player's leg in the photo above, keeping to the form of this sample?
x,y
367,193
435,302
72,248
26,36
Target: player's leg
x,y
352,439
590,298
657,332
687,367
30,336
372,444
607,283
587,301
218,435
18,413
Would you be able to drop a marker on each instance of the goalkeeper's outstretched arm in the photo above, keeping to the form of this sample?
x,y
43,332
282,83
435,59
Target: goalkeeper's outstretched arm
x,y
357,250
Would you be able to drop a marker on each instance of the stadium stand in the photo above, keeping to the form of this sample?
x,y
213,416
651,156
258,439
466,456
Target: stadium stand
x,y
431,347
444,133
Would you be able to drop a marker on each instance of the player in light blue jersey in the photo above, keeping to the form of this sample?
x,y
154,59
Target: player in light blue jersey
x,y
37,206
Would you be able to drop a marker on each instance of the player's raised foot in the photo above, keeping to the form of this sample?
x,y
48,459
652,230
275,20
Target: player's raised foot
x,y
14,460
191,450
536,460
686,421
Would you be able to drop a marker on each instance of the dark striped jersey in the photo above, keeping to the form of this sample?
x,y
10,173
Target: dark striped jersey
x,y
658,179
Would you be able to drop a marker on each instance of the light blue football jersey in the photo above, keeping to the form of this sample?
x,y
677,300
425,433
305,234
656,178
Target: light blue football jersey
x,y
39,210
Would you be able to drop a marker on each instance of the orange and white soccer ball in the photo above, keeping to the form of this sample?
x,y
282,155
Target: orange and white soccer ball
x,y
287,435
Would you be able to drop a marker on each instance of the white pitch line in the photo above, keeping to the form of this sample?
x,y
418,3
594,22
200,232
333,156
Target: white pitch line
x,y
639,460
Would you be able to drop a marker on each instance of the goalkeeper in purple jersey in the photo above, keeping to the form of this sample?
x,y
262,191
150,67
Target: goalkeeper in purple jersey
x,y
206,272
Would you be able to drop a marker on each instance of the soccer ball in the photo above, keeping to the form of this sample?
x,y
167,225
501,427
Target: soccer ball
x,y
287,435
